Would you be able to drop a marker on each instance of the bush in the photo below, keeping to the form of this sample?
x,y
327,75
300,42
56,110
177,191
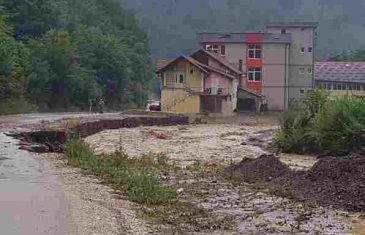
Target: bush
x,y
319,125
341,127
15,106
134,176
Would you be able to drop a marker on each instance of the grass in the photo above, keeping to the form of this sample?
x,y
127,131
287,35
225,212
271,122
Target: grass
x,y
136,177
16,106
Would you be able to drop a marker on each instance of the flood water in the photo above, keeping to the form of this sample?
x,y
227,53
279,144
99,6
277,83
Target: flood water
x,y
31,201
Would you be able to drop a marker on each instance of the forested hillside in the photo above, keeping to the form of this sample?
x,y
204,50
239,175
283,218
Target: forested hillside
x,y
59,54
171,24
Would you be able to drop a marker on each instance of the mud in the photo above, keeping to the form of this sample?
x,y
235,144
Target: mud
x,y
264,168
201,152
336,182
43,141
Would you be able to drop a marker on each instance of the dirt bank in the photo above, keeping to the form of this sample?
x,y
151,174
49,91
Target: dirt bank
x,y
52,140
337,182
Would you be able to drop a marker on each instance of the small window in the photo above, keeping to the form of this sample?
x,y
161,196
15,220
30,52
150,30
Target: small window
x,y
310,49
254,51
301,70
283,31
310,70
219,49
180,78
191,71
302,49
301,91
254,74
343,86
223,50
339,86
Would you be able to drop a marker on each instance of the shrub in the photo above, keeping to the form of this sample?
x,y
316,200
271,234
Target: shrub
x,y
341,127
134,176
15,106
320,125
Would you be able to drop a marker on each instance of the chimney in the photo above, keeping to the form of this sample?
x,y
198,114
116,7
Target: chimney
x,y
240,68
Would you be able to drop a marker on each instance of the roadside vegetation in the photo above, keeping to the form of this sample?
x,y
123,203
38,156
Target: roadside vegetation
x,y
63,54
136,177
323,125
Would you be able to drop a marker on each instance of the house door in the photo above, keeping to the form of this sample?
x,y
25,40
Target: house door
x,y
246,105
211,104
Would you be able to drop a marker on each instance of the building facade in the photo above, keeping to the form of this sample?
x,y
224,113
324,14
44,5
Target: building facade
x,y
202,82
278,62
341,78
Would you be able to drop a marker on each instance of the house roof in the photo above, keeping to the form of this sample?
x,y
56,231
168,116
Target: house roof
x,y
340,71
203,67
251,92
160,63
293,25
188,58
241,37
223,61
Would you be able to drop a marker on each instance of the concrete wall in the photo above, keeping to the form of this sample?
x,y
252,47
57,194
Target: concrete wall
x,y
273,75
299,83
179,101
193,80
174,96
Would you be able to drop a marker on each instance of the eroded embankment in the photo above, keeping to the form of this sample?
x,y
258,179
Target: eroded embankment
x,y
337,182
44,141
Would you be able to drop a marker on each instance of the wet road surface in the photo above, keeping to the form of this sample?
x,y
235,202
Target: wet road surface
x,y
31,201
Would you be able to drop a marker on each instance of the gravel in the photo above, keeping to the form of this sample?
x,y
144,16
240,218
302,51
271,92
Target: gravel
x,y
95,208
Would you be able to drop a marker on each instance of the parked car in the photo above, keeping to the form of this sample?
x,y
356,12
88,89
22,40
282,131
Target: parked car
x,y
153,105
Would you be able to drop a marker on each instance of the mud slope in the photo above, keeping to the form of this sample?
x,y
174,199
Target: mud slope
x,y
338,182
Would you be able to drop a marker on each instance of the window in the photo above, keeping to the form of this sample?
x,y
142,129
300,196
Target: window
x,y
283,31
344,86
223,50
180,78
302,49
301,70
254,74
219,49
339,86
310,49
254,51
191,71
310,70
329,86
302,91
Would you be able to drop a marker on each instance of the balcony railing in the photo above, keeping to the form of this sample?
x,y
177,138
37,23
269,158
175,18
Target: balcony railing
x,y
216,91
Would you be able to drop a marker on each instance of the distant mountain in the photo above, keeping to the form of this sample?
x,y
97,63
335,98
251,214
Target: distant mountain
x,y
172,24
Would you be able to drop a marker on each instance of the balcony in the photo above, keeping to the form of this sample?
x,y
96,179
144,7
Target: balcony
x,y
216,91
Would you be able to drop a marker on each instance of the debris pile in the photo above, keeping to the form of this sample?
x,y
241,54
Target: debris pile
x,y
265,168
337,182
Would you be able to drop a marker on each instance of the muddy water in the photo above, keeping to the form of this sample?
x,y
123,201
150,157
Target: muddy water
x,y
30,200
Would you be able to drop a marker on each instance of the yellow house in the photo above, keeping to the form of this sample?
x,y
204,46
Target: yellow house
x,y
190,86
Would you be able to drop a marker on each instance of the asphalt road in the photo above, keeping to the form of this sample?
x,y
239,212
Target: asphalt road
x,y
31,200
